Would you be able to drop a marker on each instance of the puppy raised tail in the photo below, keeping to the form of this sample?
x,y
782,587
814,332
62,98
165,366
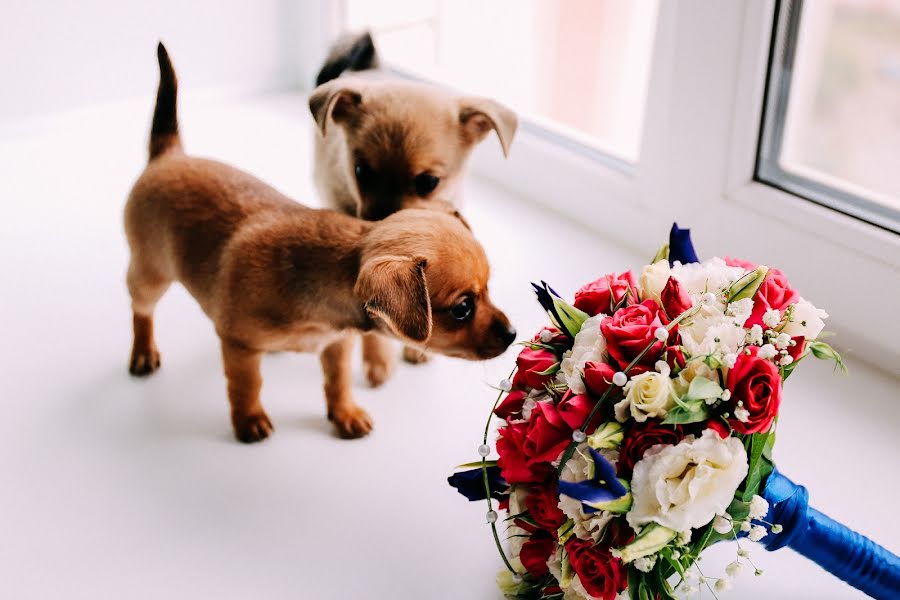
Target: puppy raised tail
x,y
164,131
355,52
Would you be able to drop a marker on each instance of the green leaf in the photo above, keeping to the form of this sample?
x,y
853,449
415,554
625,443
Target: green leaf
x,y
823,351
702,388
692,411
661,254
663,589
758,467
477,463
551,370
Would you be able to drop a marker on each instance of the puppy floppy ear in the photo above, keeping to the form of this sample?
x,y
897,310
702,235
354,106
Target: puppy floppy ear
x,y
394,289
338,102
479,115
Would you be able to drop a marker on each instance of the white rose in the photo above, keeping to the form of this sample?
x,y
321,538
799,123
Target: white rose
x,y
806,320
653,279
647,395
685,486
708,276
589,346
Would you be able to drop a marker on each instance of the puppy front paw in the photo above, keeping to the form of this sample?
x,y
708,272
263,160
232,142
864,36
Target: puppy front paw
x,y
144,361
351,421
414,356
252,428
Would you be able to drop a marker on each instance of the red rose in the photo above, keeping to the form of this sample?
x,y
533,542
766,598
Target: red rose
x,y
531,363
719,427
774,293
543,506
598,377
574,410
631,330
602,295
756,384
547,434
796,351
513,462
674,299
675,357
642,436
535,553
601,575
511,405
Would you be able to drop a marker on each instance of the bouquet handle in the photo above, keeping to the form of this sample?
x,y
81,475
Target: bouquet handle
x,y
836,548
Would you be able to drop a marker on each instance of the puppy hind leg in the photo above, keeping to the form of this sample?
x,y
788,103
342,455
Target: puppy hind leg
x,y
350,420
146,289
249,419
378,358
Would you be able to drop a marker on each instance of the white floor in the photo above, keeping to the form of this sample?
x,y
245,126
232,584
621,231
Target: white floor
x,y
114,488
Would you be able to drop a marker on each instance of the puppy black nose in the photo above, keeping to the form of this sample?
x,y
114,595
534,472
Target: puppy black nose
x,y
505,332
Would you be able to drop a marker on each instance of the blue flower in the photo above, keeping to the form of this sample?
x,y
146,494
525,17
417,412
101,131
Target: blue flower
x,y
602,487
680,246
471,483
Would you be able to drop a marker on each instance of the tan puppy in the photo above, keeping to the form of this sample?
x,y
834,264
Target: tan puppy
x,y
275,275
386,143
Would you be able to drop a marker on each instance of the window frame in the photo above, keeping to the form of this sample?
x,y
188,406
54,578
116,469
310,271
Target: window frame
x,y
697,165
839,195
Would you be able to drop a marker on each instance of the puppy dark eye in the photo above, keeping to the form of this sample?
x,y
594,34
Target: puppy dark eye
x,y
364,173
425,183
463,310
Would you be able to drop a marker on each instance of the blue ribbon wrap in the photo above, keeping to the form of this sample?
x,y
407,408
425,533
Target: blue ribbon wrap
x,y
839,550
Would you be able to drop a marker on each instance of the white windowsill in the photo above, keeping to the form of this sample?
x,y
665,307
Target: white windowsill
x,y
141,480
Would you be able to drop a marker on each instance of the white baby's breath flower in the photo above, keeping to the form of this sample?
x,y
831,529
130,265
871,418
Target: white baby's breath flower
x,y
759,507
734,569
757,532
589,346
653,279
685,486
644,563
772,317
767,351
729,360
723,584
722,524
806,320
746,526
726,394
781,341
786,360
649,394
684,537
741,414
755,336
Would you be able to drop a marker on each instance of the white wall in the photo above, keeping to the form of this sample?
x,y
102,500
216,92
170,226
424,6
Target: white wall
x,y
66,54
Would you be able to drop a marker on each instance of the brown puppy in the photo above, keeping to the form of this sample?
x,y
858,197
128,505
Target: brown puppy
x,y
385,143
275,275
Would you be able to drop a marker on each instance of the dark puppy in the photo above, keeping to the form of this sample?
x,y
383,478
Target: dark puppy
x,y
275,275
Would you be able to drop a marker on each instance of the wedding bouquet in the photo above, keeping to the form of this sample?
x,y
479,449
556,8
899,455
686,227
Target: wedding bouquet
x,y
639,430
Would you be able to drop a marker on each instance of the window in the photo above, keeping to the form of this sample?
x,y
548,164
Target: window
x,y
832,117
577,69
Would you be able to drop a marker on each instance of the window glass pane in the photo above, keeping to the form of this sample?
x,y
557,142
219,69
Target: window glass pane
x,y
835,89
578,67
